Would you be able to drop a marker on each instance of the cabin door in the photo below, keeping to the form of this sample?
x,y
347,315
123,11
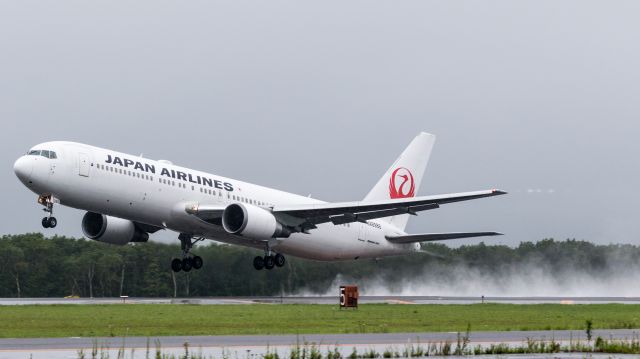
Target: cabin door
x,y
83,164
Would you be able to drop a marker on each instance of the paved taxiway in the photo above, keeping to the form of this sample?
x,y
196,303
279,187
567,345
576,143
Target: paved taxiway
x,y
246,341
247,346
325,300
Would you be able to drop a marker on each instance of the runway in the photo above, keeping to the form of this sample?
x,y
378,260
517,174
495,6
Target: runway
x,y
247,346
325,300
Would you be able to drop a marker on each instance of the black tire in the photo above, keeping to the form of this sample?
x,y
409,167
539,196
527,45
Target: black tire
x,y
197,262
53,222
258,263
187,264
45,222
269,262
176,265
279,260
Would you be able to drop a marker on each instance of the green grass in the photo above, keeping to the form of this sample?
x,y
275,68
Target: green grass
x,y
165,319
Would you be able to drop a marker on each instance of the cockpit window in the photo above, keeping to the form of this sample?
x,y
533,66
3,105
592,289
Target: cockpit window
x,y
43,153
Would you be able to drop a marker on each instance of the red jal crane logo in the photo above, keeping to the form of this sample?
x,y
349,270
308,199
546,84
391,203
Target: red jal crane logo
x,y
401,184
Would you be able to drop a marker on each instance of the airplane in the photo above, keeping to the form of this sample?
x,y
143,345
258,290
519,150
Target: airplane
x,y
128,197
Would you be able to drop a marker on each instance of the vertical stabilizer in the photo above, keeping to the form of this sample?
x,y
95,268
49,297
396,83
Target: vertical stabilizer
x,y
403,178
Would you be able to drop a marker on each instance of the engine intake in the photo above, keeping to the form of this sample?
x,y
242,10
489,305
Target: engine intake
x,y
252,221
113,230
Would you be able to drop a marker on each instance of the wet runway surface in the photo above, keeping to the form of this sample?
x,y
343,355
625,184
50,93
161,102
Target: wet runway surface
x,y
325,300
248,346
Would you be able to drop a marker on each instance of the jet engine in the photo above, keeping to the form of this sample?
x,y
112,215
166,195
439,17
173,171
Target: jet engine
x,y
252,221
112,230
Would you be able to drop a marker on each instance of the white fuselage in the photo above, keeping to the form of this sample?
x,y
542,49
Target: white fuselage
x,y
155,193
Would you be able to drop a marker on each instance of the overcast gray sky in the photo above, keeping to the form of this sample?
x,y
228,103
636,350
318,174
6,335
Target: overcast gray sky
x,y
540,98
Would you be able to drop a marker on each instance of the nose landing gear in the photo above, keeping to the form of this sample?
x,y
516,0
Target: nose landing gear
x,y
49,221
187,262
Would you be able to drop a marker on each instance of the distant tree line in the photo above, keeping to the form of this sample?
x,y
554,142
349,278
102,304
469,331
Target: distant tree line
x,y
34,266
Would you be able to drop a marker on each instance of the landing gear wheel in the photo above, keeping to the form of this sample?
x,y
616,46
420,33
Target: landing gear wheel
x,y
45,222
279,260
269,262
187,264
52,222
197,262
176,265
258,263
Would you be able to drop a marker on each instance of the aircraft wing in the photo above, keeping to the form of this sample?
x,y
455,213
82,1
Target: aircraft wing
x,y
430,237
307,216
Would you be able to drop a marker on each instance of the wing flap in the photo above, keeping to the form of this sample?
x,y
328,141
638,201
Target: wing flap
x,y
364,216
430,237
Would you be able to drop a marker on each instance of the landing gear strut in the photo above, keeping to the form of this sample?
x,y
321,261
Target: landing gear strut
x,y
187,262
269,261
49,221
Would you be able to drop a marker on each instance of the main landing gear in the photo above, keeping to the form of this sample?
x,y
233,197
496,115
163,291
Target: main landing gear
x,y
49,221
187,262
269,261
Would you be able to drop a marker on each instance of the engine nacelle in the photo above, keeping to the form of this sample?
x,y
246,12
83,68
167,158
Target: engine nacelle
x,y
252,221
113,230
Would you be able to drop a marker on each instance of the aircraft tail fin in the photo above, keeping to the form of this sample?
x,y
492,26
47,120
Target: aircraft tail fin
x,y
403,178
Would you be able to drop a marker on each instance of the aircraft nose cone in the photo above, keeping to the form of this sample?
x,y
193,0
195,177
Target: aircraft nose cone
x,y
23,168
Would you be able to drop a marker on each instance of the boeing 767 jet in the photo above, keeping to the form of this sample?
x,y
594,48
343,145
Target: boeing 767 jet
x,y
128,197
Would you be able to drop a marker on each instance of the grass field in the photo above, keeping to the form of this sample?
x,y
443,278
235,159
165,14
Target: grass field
x,y
165,319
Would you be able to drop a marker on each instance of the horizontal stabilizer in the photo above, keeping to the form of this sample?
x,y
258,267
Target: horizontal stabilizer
x,y
430,237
